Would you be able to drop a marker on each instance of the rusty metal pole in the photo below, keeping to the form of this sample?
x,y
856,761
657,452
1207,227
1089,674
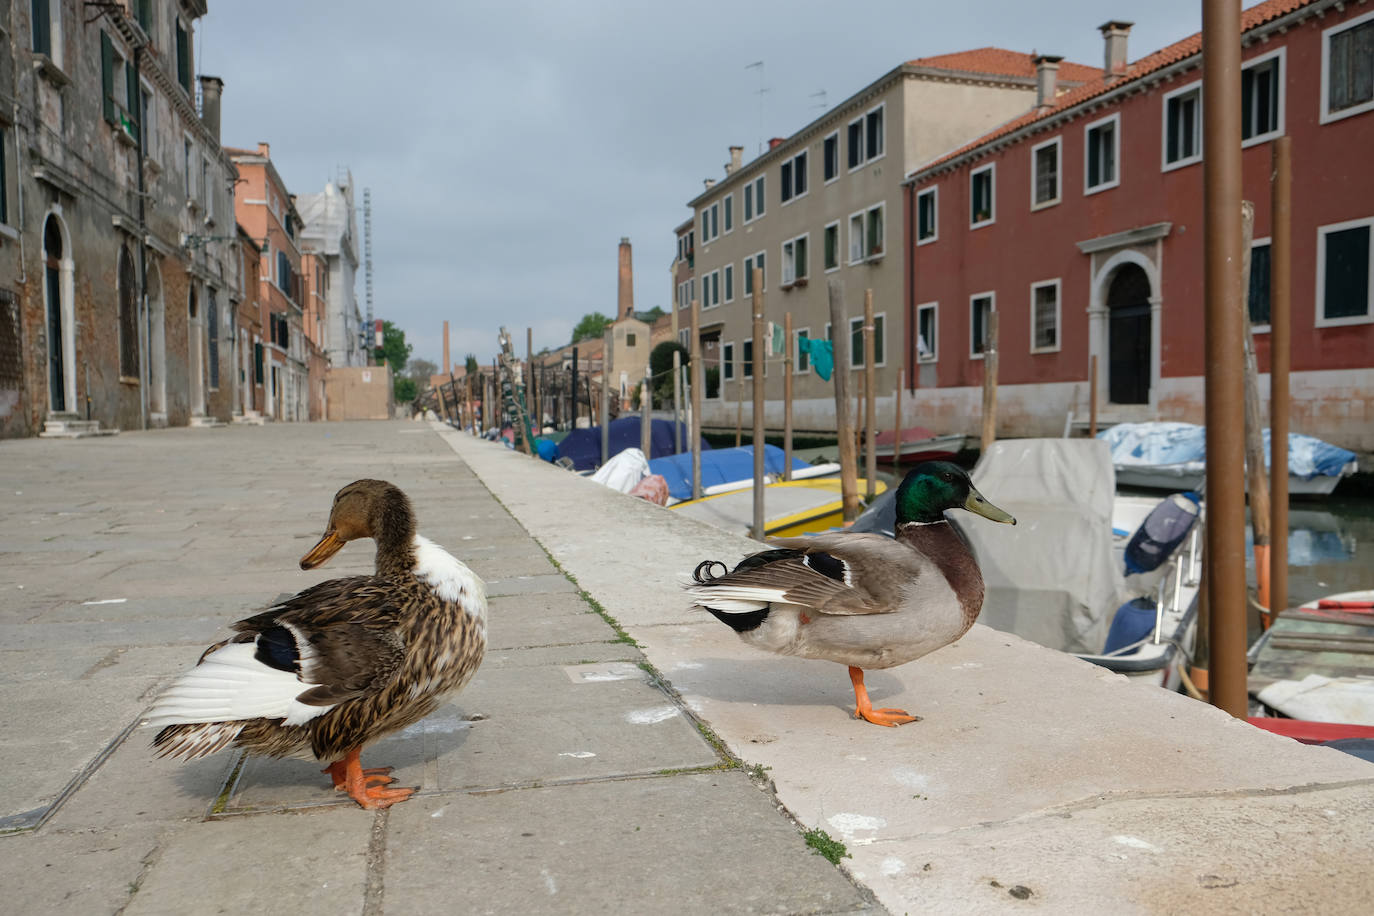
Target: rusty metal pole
x,y
870,402
1092,399
1280,328
759,391
990,386
1224,354
697,374
789,346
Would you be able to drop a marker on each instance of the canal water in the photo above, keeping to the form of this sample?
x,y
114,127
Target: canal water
x,y
1330,547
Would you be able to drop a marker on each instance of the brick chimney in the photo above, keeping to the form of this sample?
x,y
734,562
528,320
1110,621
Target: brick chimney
x,y
211,89
1114,46
776,142
448,367
736,160
1046,79
625,298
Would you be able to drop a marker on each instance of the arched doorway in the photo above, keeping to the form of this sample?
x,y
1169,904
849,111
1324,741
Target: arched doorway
x,y
1128,336
57,325
195,354
157,346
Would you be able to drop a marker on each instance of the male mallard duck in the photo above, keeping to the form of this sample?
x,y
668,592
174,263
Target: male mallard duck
x,y
863,600
342,663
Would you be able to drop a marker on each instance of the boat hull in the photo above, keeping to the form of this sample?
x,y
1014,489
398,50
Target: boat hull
x,y
1185,477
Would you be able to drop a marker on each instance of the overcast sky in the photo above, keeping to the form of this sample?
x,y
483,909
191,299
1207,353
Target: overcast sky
x,y
510,144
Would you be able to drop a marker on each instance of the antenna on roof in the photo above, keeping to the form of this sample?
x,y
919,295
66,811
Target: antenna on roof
x,y
760,91
822,96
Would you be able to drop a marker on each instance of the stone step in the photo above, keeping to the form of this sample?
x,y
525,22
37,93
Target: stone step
x,y
250,418
207,422
70,427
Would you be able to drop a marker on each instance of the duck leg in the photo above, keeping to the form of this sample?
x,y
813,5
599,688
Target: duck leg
x,y
360,785
374,776
863,709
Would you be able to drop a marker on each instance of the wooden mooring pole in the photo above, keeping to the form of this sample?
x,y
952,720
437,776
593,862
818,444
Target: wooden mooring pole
x,y
698,373
759,391
1280,335
849,486
1256,478
990,385
870,402
789,348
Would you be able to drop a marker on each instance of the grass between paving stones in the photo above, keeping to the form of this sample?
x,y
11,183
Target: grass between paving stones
x,y
826,845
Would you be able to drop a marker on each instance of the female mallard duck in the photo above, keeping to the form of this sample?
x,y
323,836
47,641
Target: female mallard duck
x,y
863,600
342,663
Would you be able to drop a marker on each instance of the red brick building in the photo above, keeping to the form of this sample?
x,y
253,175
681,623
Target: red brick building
x,y
1080,224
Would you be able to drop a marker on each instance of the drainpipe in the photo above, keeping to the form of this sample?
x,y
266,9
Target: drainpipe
x,y
145,337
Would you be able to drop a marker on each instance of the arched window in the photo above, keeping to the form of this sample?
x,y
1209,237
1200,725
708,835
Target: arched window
x,y
128,315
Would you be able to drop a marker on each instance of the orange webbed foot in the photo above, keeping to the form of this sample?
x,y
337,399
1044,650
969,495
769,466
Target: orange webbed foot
x,y
863,708
373,776
379,797
367,787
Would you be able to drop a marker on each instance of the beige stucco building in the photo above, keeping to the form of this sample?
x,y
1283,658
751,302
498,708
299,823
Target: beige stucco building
x,y
827,202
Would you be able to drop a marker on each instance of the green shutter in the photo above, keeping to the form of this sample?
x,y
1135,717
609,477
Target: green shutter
x,y
42,28
134,97
107,76
183,59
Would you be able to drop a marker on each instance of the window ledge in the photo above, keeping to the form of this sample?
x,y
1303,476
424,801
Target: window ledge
x,y
874,258
122,136
128,380
48,69
9,232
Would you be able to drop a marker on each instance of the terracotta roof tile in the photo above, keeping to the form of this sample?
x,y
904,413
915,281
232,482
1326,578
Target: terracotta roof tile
x,y
1001,62
1180,50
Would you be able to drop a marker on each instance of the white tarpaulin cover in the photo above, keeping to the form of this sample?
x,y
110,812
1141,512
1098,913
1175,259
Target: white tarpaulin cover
x,y
1317,698
1052,578
623,471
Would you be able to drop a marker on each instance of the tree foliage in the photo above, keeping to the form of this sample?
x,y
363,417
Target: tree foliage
x,y
394,348
421,370
592,326
470,364
405,389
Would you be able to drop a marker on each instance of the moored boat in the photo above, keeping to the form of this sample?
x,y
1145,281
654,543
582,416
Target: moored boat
x,y
791,507
918,444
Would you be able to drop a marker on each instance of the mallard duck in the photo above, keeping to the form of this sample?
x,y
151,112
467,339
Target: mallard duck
x,y
329,671
863,600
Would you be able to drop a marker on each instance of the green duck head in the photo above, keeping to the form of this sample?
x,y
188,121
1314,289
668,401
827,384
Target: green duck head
x,y
935,486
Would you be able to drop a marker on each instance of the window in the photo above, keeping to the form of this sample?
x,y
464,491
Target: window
x,y
4,179
119,87
980,308
727,361
1045,316
1258,298
207,188
801,363
856,143
46,18
710,223
729,271
187,157
794,177
749,264
747,359
982,187
183,57
927,332
856,341
1261,98
927,228
794,260
710,289
728,208
1045,174
1348,68
143,13
1183,126
832,157
753,200
873,133
283,273
866,234
1100,148
832,246
212,339
257,362
629,339
1343,275
147,116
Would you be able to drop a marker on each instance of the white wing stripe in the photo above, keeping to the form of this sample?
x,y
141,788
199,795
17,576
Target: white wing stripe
x,y
230,684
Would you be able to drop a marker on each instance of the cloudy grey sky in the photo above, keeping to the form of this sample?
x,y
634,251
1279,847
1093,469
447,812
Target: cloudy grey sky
x,y
510,144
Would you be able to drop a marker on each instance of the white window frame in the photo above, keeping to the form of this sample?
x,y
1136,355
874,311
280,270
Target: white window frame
x,y
858,214
1320,303
709,299
879,355
728,280
851,169
207,190
796,351
869,156
754,191
986,294
1058,315
727,359
934,308
749,263
1164,164
1326,116
188,154
839,259
839,165
1266,242
991,169
1282,119
1058,198
934,192
148,122
787,261
1115,120
792,160
753,360
727,216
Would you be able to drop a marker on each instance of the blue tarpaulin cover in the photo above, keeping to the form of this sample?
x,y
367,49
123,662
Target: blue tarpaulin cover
x,y
1152,444
583,446
723,465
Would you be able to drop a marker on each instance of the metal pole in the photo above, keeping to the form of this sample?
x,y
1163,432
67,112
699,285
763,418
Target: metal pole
x,y
990,385
677,401
897,415
849,486
698,373
1092,398
1280,333
788,347
646,401
606,342
759,391
870,402
1224,376
574,390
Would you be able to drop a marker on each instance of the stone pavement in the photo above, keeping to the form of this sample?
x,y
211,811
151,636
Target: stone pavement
x,y
567,777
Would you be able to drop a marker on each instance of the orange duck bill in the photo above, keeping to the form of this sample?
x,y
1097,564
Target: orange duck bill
x,y
329,545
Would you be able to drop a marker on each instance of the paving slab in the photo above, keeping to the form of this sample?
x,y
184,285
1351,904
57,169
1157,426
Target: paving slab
x,y
73,874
